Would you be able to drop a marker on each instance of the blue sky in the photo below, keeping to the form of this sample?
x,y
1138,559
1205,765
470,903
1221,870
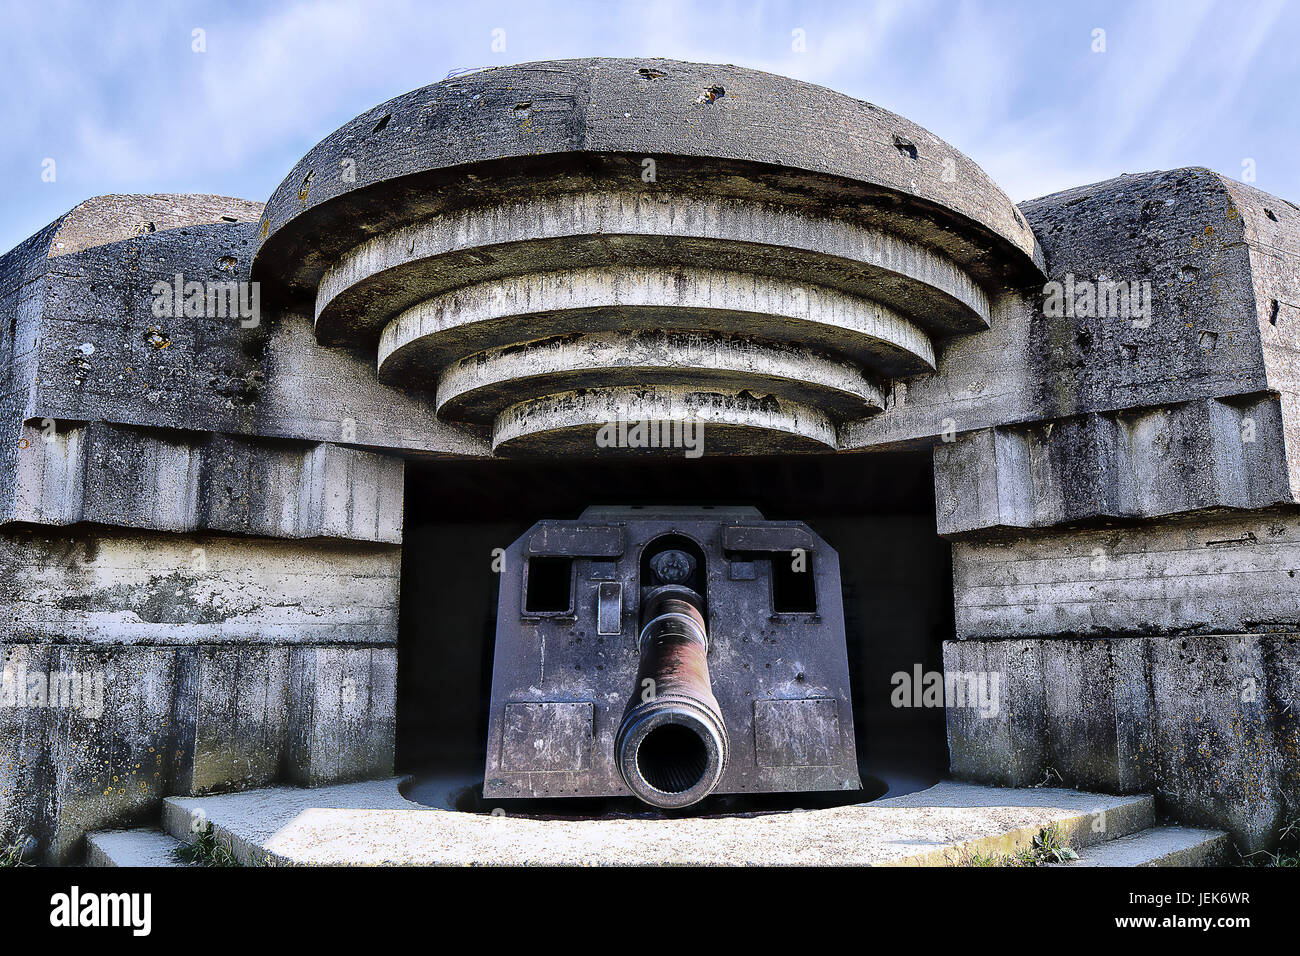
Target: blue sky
x,y
115,95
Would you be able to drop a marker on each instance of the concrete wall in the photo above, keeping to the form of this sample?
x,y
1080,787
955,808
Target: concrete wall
x,y
213,662
1125,554
1125,582
219,580
1209,723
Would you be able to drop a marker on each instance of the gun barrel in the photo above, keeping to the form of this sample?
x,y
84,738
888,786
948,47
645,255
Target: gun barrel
x,y
671,746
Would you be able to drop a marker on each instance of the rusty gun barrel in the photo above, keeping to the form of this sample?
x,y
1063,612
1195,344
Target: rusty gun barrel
x,y
671,746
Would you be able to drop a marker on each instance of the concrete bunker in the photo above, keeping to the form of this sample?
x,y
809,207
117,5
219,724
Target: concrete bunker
x,y
444,337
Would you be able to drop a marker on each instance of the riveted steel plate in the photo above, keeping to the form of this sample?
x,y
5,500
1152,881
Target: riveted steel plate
x,y
548,668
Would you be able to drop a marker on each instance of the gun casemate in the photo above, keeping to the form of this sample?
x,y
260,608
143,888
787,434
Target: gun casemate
x,y
669,653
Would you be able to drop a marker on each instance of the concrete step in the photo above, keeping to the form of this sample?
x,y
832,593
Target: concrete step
x,y
372,823
1160,846
143,847
1082,819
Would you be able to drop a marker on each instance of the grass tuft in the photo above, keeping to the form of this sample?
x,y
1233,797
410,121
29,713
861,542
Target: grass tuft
x,y
12,855
1287,854
1050,846
207,850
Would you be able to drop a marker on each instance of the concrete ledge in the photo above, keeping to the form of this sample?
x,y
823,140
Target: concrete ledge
x,y
122,587
166,480
1226,573
144,847
1161,846
479,387
372,824
734,422
1152,462
663,230
446,328
101,220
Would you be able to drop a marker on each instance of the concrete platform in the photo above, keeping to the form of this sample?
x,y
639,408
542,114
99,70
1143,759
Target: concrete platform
x,y
371,823
144,847
1160,846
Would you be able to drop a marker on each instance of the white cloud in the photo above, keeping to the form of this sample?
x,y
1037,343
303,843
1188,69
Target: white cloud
x,y
114,93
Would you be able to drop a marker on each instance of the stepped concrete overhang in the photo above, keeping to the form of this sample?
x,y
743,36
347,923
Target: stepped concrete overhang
x,y
553,246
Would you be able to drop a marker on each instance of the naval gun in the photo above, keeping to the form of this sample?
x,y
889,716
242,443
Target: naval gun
x,y
669,653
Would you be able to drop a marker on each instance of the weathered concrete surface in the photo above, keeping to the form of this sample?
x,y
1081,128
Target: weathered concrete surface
x,y
184,720
99,352
1180,230
241,717
1161,846
106,219
371,823
1142,656
143,847
1207,723
119,587
177,481
480,386
203,663
1209,252
26,282
1220,573
391,164
659,230
1142,463
85,762
342,706
1271,228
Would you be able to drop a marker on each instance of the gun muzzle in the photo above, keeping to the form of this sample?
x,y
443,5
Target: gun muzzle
x,y
671,747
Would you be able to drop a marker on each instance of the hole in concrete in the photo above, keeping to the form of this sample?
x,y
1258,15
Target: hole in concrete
x,y
711,93
649,74
1273,309
520,107
672,758
897,612
383,121
905,146
1269,213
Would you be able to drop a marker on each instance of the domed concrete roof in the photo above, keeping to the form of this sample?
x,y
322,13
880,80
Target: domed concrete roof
x,y
646,107
545,244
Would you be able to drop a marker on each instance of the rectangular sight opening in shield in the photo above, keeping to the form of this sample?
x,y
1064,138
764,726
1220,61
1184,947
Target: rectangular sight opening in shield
x,y
550,586
793,591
